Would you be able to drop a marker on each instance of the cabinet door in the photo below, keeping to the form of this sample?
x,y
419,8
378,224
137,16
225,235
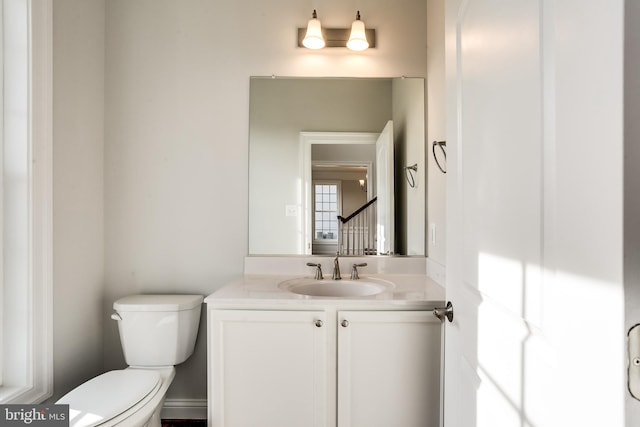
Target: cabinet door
x,y
267,368
388,369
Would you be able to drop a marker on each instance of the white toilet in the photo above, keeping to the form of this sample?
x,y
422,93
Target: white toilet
x,y
157,332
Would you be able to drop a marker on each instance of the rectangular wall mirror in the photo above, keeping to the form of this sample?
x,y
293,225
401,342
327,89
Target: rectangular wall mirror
x,y
317,152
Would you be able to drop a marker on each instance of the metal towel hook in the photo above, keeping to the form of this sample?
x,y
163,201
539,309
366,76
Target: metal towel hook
x,y
442,145
409,174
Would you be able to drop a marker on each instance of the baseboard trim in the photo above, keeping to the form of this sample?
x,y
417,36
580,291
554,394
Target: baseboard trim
x,y
184,409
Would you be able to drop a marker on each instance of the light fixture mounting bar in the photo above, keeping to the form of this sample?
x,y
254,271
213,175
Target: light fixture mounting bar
x,y
338,37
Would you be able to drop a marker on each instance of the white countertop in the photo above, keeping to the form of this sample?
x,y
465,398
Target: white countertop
x,y
261,291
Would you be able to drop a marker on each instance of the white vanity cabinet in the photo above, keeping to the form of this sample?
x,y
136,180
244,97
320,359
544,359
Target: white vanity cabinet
x,y
388,369
268,368
330,367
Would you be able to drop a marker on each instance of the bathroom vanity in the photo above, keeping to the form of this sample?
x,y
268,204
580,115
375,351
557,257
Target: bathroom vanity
x,y
279,357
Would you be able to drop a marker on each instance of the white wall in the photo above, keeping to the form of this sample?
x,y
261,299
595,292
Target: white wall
x,y
78,129
176,120
436,131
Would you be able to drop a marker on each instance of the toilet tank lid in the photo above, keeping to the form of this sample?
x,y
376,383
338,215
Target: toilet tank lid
x,y
158,302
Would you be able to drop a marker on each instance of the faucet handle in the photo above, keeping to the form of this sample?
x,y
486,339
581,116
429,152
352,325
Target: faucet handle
x,y
318,267
354,270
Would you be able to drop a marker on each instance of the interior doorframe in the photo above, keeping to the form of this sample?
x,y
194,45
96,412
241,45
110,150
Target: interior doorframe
x,y
307,140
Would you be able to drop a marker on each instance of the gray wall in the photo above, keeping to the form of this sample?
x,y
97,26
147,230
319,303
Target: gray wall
x,y
78,179
409,126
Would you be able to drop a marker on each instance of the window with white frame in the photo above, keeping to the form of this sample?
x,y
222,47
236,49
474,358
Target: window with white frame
x,y
26,201
326,202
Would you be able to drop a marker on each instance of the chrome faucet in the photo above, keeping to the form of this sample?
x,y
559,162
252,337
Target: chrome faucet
x,y
354,270
336,268
318,267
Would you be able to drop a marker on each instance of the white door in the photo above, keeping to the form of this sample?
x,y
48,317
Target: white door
x,y
534,133
384,190
388,369
269,368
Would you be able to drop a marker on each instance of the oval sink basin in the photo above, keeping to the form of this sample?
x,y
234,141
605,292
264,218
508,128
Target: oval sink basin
x,y
336,288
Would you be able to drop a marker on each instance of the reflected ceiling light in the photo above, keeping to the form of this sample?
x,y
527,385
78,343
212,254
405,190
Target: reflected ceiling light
x,y
358,38
313,38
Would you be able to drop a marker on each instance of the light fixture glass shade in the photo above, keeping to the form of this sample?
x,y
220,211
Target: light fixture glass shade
x,y
313,38
358,38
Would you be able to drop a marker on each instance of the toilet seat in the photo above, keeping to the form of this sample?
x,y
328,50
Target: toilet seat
x,y
108,395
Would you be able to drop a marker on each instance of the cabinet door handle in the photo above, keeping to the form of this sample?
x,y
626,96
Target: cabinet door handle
x,y
345,323
318,323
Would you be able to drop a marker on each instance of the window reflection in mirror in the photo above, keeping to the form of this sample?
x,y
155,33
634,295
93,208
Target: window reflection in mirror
x,y
326,206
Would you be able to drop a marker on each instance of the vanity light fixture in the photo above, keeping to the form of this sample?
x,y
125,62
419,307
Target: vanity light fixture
x,y
363,185
313,38
357,38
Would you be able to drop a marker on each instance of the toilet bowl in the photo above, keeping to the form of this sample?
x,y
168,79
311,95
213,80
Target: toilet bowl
x,y
127,397
156,332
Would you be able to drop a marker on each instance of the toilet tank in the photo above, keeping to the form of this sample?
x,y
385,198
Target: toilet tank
x,y
158,330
